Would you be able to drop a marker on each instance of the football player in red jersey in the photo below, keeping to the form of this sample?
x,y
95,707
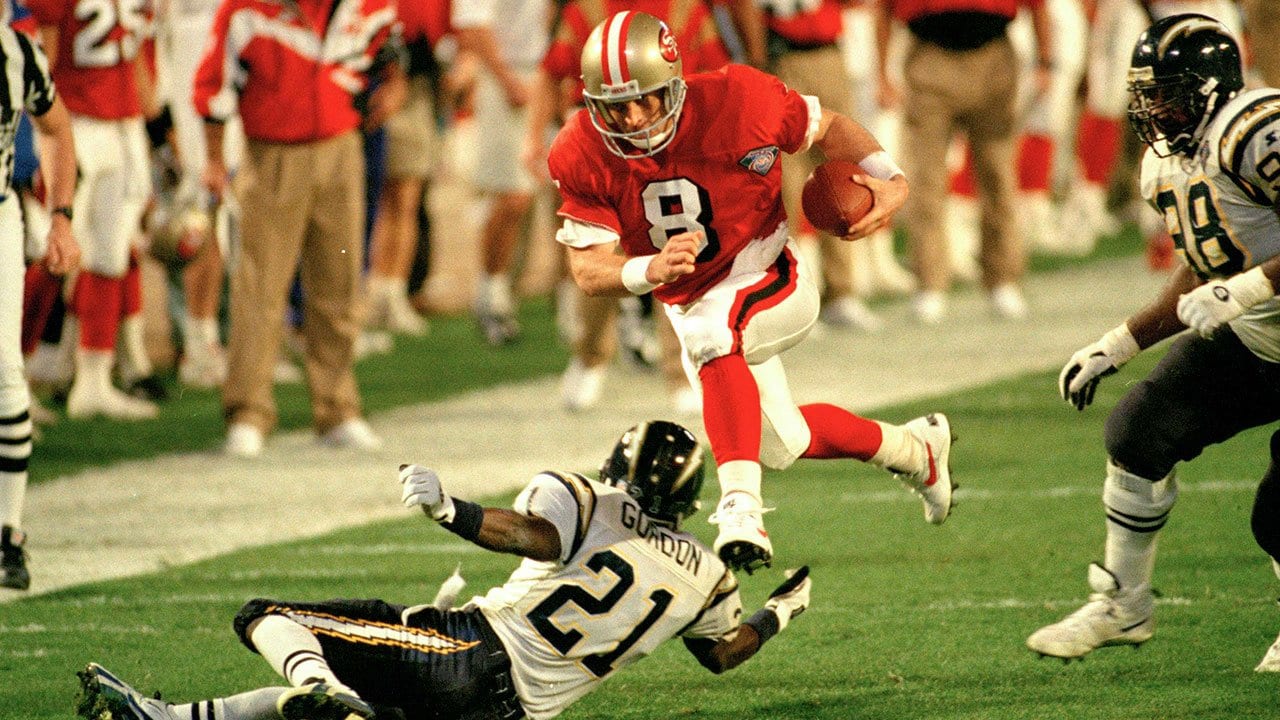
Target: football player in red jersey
x,y
93,49
683,174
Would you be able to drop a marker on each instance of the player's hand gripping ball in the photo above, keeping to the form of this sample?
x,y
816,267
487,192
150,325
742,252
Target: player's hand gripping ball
x,y
832,201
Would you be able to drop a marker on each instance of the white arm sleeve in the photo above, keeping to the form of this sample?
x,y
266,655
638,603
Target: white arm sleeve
x,y
579,235
815,118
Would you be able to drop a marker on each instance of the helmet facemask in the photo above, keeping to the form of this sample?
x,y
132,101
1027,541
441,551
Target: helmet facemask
x,y
632,58
651,138
1174,110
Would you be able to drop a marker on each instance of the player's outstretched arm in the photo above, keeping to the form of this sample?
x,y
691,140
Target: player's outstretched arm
x,y
598,270
494,529
787,601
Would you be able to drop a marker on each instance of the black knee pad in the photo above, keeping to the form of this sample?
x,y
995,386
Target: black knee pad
x,y
252,610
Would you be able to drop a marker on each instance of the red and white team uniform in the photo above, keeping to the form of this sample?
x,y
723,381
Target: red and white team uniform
x,y
714,169
749,293
98,45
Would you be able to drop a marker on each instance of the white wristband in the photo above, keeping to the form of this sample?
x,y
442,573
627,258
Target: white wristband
x,y
1250,288
1119,345
634,277
880,166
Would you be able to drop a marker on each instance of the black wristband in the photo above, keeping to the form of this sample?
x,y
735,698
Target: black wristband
x,y
63,210
467,517
765,622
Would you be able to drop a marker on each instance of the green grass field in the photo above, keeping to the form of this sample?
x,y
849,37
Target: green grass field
x,y
907,621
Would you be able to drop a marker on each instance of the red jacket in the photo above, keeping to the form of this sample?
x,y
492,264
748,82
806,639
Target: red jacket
x,y
291,68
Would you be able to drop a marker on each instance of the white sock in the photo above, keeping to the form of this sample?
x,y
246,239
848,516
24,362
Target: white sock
x,y
291,650
740,476
135,364
900,451
253,705
15,448
1136,510
495,293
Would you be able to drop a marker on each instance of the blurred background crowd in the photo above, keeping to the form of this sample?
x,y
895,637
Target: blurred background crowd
x,y
271,189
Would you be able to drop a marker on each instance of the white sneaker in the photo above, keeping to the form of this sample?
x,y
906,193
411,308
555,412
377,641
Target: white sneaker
x,y
1270,661
742,542
88,399
243,440
933,483
852,313
352,433
402,319
1113,616
321,701
930,307
286,373
1007,302
206,369
103,695
581,386
373,342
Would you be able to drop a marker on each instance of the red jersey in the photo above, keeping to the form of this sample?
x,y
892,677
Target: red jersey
x,y
98,43
721,174
292,69
690,21
908,10
806,23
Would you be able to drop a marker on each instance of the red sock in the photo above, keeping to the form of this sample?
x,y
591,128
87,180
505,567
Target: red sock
x,y
97,301
39,293
1098,145
731,409
962,182
1035,163
838,433
131,290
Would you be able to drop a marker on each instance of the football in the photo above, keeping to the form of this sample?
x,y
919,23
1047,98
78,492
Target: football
x,y
832,201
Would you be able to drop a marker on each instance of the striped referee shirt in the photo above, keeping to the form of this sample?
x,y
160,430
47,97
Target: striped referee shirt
x,y
25,84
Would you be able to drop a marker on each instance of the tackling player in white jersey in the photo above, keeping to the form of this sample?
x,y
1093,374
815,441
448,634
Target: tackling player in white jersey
x,y
1212,170
608,575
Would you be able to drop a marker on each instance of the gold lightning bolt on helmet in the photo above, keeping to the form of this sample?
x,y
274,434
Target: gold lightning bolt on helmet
x,y
628,56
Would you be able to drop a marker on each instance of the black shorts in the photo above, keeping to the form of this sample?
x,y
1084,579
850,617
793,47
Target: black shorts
x,y
1202,392
424,664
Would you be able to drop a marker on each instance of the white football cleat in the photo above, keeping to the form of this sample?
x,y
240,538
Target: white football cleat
x,y
581,386
1270,661
742,542
88,399
933,482
1113,616
321,701
104,696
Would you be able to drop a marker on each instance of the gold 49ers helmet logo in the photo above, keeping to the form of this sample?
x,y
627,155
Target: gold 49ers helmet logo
x,y
667,44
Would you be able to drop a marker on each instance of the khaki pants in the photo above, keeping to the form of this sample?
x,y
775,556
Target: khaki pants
x,y
302,208
821,73
973,92
598,342
1262,17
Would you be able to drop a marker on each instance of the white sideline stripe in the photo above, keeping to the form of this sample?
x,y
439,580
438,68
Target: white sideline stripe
x,y
144,516
965,493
